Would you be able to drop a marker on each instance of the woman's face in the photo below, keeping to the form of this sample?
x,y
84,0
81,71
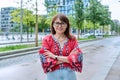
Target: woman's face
x,y
59,26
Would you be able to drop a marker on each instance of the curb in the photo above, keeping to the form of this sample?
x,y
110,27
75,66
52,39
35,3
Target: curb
x,y
18,51
12,53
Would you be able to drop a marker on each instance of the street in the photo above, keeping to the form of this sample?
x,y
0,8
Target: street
x,y
100,62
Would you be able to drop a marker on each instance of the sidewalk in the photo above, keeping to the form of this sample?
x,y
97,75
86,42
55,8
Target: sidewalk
x,y
100,63
34,71
114,73
26,71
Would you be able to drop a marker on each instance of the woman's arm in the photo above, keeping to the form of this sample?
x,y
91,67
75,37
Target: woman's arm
x,y
61,59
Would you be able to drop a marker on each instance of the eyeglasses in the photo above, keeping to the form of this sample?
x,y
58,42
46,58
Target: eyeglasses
x,y
58,23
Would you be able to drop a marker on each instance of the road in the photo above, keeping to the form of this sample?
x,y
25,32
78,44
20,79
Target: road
x,y
101,62
100,59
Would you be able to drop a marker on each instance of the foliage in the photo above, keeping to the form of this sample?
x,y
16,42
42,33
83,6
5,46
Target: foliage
x,y
72,21
79,15
91,37
29,20
94,11
50,16
15,29
42,24
8,48
98,14
112,25
16,47
28,17
115,26
106,15
88,24
88,38
105,18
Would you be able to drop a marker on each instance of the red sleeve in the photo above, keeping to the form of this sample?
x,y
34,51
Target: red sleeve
x,y
76,59
47,63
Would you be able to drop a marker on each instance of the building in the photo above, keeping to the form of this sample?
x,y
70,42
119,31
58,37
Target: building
x,y
0,21
63,6
5,19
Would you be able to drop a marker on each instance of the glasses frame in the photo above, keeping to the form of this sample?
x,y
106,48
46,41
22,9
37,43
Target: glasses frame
x,y
56,24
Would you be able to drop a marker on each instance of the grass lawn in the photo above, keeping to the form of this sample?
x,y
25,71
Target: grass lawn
x,y
8,48
15,47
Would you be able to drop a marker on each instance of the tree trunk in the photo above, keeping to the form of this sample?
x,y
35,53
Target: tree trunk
x,y
103,31
78,34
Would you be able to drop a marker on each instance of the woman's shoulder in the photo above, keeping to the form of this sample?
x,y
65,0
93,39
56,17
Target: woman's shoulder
x,y
47,37
73,37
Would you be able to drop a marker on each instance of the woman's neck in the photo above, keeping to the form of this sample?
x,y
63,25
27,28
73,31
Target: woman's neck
x,y
60,36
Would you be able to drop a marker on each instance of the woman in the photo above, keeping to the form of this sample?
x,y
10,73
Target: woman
x,y
60,54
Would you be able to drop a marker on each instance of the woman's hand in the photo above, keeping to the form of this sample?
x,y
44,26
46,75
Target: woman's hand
x,y
74,51
61,59
48,54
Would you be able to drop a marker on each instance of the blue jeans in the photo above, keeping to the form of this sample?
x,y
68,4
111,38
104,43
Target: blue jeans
x,y
61,74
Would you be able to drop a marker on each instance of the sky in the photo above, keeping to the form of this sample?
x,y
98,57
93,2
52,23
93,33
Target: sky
x,y
114,6
13,3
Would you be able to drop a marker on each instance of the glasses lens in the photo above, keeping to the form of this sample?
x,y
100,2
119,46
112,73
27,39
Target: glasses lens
x,y
61,24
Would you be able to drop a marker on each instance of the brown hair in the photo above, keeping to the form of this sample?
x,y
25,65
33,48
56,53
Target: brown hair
x,y
63,18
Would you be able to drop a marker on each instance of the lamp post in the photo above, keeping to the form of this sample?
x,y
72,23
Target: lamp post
x,y
21,19
28,23
119,25
36,26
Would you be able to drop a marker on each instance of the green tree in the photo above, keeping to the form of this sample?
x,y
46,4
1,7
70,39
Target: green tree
x,y
116,26
105,17
79,15
42,24
95,12
72,20
50,16
28,17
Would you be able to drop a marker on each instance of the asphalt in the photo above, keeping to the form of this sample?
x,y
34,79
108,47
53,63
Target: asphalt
x,y
33,70
114,73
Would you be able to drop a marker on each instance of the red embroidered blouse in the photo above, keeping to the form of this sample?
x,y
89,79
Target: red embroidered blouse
x,y
51,44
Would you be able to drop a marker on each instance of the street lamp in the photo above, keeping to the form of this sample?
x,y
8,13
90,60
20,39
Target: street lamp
x,y
21,19
36,26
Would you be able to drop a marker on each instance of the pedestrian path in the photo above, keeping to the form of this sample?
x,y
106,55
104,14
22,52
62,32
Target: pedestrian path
x,y
25,71
114,73
104,71
99,64
33,71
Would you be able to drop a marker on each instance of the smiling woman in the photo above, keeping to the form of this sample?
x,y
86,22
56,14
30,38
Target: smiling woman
x,y
60,54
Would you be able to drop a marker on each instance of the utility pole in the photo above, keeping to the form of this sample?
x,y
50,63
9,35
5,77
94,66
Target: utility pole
x,y
21,19
36,25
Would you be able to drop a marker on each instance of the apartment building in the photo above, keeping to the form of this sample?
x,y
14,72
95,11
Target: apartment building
x,y
63,6
0,21
5,19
